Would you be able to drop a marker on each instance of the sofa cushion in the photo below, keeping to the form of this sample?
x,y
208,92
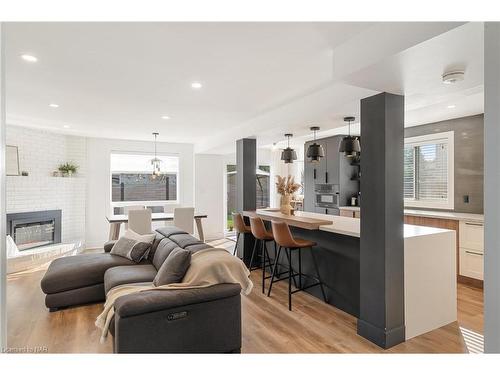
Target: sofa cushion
x,y
151,253
173,268
133,246
128,274
184,240
197,247
162,252
78,271
168,231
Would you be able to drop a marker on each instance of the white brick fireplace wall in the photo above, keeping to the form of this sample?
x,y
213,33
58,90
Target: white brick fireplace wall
x,y
40,153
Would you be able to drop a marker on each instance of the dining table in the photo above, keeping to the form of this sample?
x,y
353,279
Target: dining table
x,y
115,222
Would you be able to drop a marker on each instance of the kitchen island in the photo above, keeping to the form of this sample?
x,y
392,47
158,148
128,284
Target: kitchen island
x,y
429,265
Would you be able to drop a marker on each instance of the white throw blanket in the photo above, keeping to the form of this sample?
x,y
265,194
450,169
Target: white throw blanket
x,y
208,267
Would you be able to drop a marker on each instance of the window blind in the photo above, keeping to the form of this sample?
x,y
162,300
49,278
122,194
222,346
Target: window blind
x,y
426,172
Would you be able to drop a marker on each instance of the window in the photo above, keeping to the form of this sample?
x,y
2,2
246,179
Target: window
x,y
262,190
428,171
132,179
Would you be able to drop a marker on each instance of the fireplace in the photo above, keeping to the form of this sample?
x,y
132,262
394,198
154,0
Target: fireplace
x,y
34,229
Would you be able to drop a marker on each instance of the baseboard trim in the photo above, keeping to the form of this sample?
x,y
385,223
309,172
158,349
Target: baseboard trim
x,y
470,281
379,336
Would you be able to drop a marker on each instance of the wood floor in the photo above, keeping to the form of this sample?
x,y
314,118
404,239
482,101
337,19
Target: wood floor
x,y
268,326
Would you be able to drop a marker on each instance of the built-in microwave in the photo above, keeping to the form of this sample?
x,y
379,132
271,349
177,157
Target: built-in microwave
x,y
327,195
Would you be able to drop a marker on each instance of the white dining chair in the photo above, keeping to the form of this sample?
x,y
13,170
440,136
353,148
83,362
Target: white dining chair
x,y
126,210
140,221
184,219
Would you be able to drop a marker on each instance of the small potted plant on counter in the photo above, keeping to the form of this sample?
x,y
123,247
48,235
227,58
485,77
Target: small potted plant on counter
x,y
286,187
67,169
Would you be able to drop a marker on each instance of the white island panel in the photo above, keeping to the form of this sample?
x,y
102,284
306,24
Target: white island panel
x,y
430,282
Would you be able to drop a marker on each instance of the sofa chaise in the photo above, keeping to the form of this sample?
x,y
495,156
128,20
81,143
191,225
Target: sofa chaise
x,y
204,320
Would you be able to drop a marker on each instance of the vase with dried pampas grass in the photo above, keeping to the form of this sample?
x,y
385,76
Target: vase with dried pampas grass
x,y
286,187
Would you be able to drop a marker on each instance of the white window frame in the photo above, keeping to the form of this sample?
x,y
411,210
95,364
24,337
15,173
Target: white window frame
x,y
143,203
449,139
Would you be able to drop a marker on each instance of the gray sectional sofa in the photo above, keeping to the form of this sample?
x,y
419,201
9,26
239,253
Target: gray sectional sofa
x,y
205,320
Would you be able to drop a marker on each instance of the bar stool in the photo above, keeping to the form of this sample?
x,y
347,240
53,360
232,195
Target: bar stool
x,y
240,227
284,239
262,236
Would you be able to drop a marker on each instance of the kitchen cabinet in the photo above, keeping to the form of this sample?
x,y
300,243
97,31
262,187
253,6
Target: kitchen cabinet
x,y
334,168
471,264
471,235
470,245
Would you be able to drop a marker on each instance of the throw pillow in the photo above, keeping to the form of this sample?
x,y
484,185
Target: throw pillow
x,y
132,245
173,268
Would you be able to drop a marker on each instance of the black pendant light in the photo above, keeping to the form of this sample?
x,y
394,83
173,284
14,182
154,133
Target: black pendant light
x,y
315,151
350,145
288,155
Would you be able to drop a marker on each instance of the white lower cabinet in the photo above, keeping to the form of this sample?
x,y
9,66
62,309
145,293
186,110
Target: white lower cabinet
x,y
471,263
471,249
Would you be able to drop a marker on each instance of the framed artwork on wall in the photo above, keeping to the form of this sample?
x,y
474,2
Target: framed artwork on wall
x,y
11,161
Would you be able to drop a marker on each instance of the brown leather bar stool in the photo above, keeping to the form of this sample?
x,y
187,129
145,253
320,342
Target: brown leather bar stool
x,y
262,236
284,239
240,227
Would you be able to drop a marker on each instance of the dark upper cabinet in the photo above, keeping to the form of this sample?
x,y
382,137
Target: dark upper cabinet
x,y
309,181
319,167
334,168
333,160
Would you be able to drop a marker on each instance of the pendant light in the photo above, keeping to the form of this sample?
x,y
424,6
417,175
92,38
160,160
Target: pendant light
x,y
350,145
315,151
155,162
288,155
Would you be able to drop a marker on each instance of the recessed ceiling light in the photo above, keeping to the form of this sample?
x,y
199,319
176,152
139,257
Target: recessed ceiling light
x,y
66,126
196,85
451,106
29,58
165,117
54,105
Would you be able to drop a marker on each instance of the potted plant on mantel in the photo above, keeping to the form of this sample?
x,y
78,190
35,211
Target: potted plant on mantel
x,y
286,187
67,169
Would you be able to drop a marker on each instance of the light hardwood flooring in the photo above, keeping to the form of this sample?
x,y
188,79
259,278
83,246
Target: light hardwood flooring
x,y
268,326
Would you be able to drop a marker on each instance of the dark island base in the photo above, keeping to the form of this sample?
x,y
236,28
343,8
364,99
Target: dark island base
x,y
337,257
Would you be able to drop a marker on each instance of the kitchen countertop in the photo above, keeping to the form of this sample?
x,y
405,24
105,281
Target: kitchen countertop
x,y
335,224
351,227
450,215
301,219
350,208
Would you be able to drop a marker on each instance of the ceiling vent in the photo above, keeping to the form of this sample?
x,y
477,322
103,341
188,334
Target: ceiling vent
x,y
453,77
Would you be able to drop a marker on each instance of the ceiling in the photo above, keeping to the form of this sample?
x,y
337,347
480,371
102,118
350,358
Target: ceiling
x,y
117,80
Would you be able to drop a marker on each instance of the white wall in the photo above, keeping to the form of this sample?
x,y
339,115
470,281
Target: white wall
x,y
40,153
99,184
209,193
279,168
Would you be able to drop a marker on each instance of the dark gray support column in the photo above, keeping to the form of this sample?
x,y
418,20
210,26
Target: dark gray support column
x,y
246,164
491,187
381,318
246,192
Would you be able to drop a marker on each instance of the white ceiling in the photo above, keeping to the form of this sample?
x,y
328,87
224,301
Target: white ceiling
x,y
116,80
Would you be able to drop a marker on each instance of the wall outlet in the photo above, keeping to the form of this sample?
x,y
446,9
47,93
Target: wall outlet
x,y
466,198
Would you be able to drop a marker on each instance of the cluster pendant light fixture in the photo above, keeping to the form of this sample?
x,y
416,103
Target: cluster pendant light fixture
x,y
155,162
350,145
315,151
288,155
